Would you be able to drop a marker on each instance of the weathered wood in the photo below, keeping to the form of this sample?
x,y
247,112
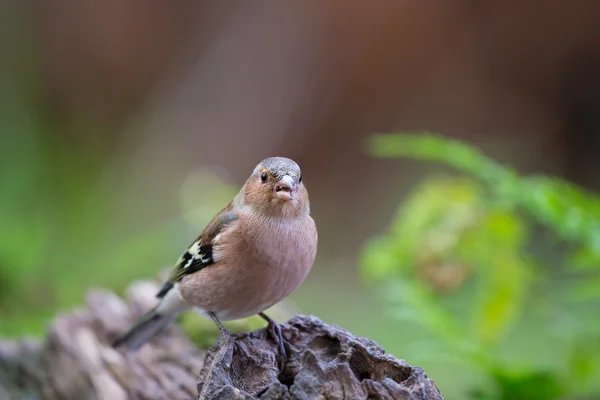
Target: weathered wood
x,y
325,362
76,361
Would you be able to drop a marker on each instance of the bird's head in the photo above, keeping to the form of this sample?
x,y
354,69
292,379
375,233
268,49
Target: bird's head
x,y
275,188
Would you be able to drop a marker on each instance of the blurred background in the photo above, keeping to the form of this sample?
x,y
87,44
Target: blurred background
x,y
125,125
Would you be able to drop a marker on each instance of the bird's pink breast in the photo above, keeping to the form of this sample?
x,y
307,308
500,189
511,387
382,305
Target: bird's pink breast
x,y
260,262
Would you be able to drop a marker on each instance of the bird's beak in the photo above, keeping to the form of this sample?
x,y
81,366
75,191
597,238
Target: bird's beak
x,y
284,189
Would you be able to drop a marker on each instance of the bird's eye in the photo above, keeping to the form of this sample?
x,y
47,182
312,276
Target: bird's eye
x,y
263,177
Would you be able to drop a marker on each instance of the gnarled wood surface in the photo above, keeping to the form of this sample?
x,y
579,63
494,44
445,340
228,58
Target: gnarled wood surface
x,y
76,361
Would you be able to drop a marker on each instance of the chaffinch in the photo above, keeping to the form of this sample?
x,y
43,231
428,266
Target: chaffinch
x,y
255,252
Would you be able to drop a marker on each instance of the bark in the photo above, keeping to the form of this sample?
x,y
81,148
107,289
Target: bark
x,y
76,361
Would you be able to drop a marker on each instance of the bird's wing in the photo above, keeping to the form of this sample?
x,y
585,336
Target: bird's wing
x,y
200,253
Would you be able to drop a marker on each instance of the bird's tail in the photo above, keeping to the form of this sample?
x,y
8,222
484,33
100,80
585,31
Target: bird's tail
x,y
144,329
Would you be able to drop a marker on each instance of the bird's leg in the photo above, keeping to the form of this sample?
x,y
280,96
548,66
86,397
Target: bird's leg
x,y
225,334
225,353
275,331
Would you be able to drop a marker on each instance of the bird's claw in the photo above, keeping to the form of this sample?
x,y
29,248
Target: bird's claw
x,y
225,337
275,332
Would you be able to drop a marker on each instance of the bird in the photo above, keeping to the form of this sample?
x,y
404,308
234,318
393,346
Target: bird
x,y
251,255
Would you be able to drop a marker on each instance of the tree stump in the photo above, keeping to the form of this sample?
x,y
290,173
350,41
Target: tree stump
x,y
76,361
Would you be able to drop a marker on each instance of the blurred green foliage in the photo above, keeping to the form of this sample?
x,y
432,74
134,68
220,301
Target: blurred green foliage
x,y
460,259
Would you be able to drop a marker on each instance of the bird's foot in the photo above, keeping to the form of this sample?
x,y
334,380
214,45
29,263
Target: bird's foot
x,y
225,337
274,330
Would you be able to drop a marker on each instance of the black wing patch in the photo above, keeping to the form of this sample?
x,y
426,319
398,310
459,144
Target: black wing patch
x,y
198,255
193,259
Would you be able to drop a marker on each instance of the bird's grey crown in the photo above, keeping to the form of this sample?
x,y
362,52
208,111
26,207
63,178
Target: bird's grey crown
x,y
280,166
